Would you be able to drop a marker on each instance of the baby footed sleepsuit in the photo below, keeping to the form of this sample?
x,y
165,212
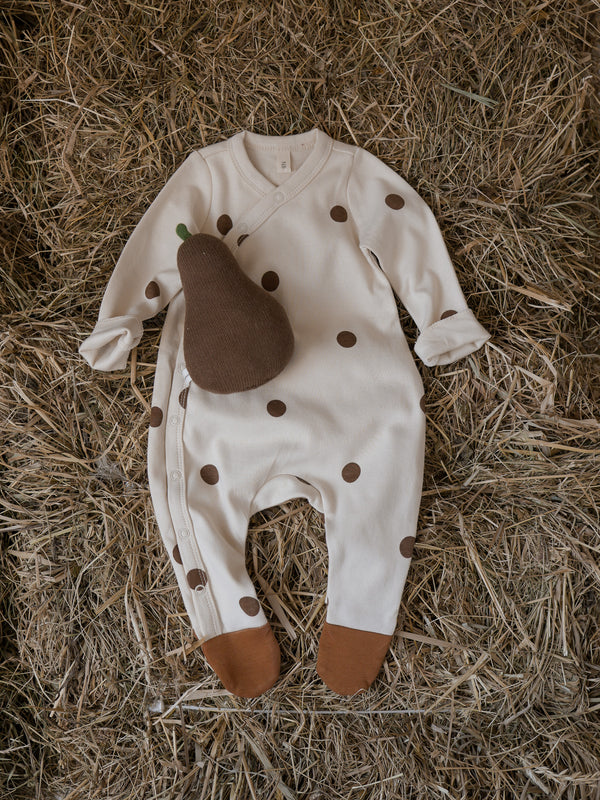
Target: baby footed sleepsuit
x,y
330,232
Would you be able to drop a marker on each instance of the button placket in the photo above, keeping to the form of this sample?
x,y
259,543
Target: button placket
x,y
274,196
265,206
176,493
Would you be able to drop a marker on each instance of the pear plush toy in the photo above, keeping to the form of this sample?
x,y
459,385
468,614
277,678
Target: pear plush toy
x,y
235,335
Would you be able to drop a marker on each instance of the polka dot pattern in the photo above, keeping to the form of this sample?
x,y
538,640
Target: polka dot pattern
x,y
197,579
406,546
449,313
152,290
338,214
156,416
250,606
394,201
276,408
346,339
177,554
209,474
241,238
270,280
423,404
350,472
183,395
224,224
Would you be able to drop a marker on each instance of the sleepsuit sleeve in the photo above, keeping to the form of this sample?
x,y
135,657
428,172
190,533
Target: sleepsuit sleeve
x,y
146,277
395,224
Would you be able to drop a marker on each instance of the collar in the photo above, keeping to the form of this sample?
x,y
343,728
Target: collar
x,y
316,140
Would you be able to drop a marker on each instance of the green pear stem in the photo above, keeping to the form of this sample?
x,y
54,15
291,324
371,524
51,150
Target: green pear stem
x,y
182,231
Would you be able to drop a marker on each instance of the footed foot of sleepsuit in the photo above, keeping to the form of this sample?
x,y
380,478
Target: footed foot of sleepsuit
x,y
350,659
247,661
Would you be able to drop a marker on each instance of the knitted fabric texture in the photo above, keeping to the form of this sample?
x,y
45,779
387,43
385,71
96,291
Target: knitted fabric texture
x,y
236,336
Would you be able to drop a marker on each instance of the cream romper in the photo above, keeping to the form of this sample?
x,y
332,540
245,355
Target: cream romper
x,y
332,232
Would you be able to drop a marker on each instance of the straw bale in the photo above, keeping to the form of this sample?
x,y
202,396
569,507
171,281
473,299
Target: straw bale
x,y
491,688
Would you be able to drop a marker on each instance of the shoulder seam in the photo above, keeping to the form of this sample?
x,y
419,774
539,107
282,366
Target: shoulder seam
x,y
210,178
212,150
347,193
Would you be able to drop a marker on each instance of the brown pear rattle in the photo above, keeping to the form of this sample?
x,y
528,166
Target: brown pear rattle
x,y
235,336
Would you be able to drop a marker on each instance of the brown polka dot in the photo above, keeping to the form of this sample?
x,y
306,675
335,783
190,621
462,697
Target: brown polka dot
x,y
156,416
406,546
394,201
351,472
177,554
346,338
339,214
152,290
241,238
270,280
422,404
449,313
209,474
250,606
197,579
224,224
183,396
276,408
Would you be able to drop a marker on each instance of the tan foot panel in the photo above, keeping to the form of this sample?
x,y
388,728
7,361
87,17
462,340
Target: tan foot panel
x,y
247,661
350,659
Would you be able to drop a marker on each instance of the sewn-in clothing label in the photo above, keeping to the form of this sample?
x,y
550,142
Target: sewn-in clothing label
x,y
284,163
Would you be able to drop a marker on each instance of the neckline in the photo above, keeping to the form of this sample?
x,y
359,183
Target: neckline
x,y
315,138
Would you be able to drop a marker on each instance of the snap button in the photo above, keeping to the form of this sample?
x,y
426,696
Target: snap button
x,y
242,228
183,533
278,196
174,420
176,475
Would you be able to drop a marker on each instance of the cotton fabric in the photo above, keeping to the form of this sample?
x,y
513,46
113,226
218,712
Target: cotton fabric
x,y
333,233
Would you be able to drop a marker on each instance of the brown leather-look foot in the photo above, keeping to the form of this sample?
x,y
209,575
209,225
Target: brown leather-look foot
x,y
247,661
349,659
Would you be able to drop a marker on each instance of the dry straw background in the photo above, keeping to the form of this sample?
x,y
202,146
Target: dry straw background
x,y
491,688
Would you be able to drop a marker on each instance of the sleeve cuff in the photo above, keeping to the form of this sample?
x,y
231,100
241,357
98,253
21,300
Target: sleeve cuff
x,y
108,346
450,339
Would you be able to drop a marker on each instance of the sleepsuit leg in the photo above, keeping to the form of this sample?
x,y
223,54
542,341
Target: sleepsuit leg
x,y
371,504
238,642
196,512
